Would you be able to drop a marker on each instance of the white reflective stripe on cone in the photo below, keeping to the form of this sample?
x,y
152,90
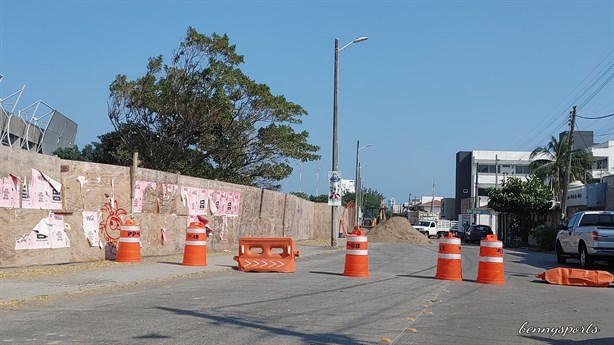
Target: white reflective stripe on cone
x,y
196,231
497,244
490,259
450,256
243,249
130,240
450,241
357,252
357,239
289,252
130,227
196,243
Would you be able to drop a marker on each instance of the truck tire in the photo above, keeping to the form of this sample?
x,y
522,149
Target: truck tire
x,y
560,259
586,261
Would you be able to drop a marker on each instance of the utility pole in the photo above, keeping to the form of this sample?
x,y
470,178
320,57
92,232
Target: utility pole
x,y
572,124
433,200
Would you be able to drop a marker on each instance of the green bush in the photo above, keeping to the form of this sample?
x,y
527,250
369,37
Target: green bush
x,y
545,236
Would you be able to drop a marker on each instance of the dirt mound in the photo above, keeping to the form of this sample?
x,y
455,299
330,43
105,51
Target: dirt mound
x,y
396,230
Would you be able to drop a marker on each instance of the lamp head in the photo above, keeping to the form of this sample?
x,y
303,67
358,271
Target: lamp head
x,y
360,39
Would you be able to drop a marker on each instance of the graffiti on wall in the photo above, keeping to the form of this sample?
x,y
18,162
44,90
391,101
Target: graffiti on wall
x,y
110,225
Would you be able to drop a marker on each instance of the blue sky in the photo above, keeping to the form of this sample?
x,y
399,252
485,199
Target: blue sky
x,y
434,77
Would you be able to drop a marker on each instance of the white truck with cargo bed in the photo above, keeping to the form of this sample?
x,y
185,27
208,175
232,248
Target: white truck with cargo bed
x,y
588,236
433,228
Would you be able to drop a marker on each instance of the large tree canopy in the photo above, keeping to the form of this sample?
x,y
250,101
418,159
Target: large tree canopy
x,y
201,116
526,202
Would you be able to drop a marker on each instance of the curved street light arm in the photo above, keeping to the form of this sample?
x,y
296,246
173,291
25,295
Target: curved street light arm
x,y
359,39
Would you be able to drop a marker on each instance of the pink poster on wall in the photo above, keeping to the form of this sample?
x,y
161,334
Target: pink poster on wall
x,y
139,191
234,200
227,203
196,202
9,192
42,192
47,234
168,190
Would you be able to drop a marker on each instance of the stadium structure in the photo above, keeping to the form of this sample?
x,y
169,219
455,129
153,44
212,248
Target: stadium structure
x,y
37,127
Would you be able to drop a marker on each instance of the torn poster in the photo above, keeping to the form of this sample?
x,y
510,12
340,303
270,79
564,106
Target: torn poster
x,y
169,190
139,190
48,233
42,192
9,192
90,227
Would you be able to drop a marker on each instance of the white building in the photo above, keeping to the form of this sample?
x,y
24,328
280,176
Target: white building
x,y
476,171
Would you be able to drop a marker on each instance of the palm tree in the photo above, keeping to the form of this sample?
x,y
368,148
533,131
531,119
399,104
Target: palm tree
x,y
551,164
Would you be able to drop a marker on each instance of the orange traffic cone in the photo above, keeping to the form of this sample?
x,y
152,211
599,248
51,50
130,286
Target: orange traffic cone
x,y
449,265
356,255
129,242
195,250
490,267
577,277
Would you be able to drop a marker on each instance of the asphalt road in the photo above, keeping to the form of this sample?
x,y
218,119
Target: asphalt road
x,y
400,303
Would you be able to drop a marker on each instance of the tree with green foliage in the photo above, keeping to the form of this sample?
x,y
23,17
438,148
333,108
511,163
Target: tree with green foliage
x,y
551,164
525,201
88,154
200,115
70,153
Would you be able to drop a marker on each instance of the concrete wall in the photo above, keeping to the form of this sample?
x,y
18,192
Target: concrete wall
x,y
106,190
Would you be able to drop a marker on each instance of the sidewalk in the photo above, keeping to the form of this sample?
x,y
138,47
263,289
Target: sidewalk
x,y
20,285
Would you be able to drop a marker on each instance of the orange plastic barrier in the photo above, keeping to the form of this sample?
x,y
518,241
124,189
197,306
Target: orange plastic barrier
x,y
195,250
490,267
129,242
266,254
577,277
356,255
449,265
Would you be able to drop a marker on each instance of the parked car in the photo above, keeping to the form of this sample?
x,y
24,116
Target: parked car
x,y
588,236
477,232
458,232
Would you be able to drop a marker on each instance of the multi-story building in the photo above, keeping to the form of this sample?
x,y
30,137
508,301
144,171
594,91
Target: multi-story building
x,y
476,171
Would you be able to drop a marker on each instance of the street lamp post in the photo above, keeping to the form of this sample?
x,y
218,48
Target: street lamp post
x,y
360,195
358,184
335,211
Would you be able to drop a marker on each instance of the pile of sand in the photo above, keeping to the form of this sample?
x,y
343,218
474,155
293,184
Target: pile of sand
x,y
396,230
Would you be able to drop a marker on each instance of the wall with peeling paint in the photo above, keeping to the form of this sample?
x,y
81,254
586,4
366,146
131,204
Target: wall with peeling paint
x,y
106,190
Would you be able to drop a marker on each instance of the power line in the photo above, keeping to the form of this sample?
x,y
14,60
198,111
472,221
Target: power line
x,y
554,116
594,118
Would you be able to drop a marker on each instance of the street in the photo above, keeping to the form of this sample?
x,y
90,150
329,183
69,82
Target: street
x,y
400,303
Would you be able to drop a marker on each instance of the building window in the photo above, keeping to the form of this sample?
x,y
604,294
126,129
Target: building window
x,y
486,169
601,163
522,169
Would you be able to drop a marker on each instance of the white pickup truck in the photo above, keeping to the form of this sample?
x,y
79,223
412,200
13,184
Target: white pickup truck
x,y
433,228
588,236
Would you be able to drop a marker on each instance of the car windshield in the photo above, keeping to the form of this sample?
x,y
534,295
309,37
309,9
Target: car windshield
x,y
425,223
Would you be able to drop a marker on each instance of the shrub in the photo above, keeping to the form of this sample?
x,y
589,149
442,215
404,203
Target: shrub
x,y
545,236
